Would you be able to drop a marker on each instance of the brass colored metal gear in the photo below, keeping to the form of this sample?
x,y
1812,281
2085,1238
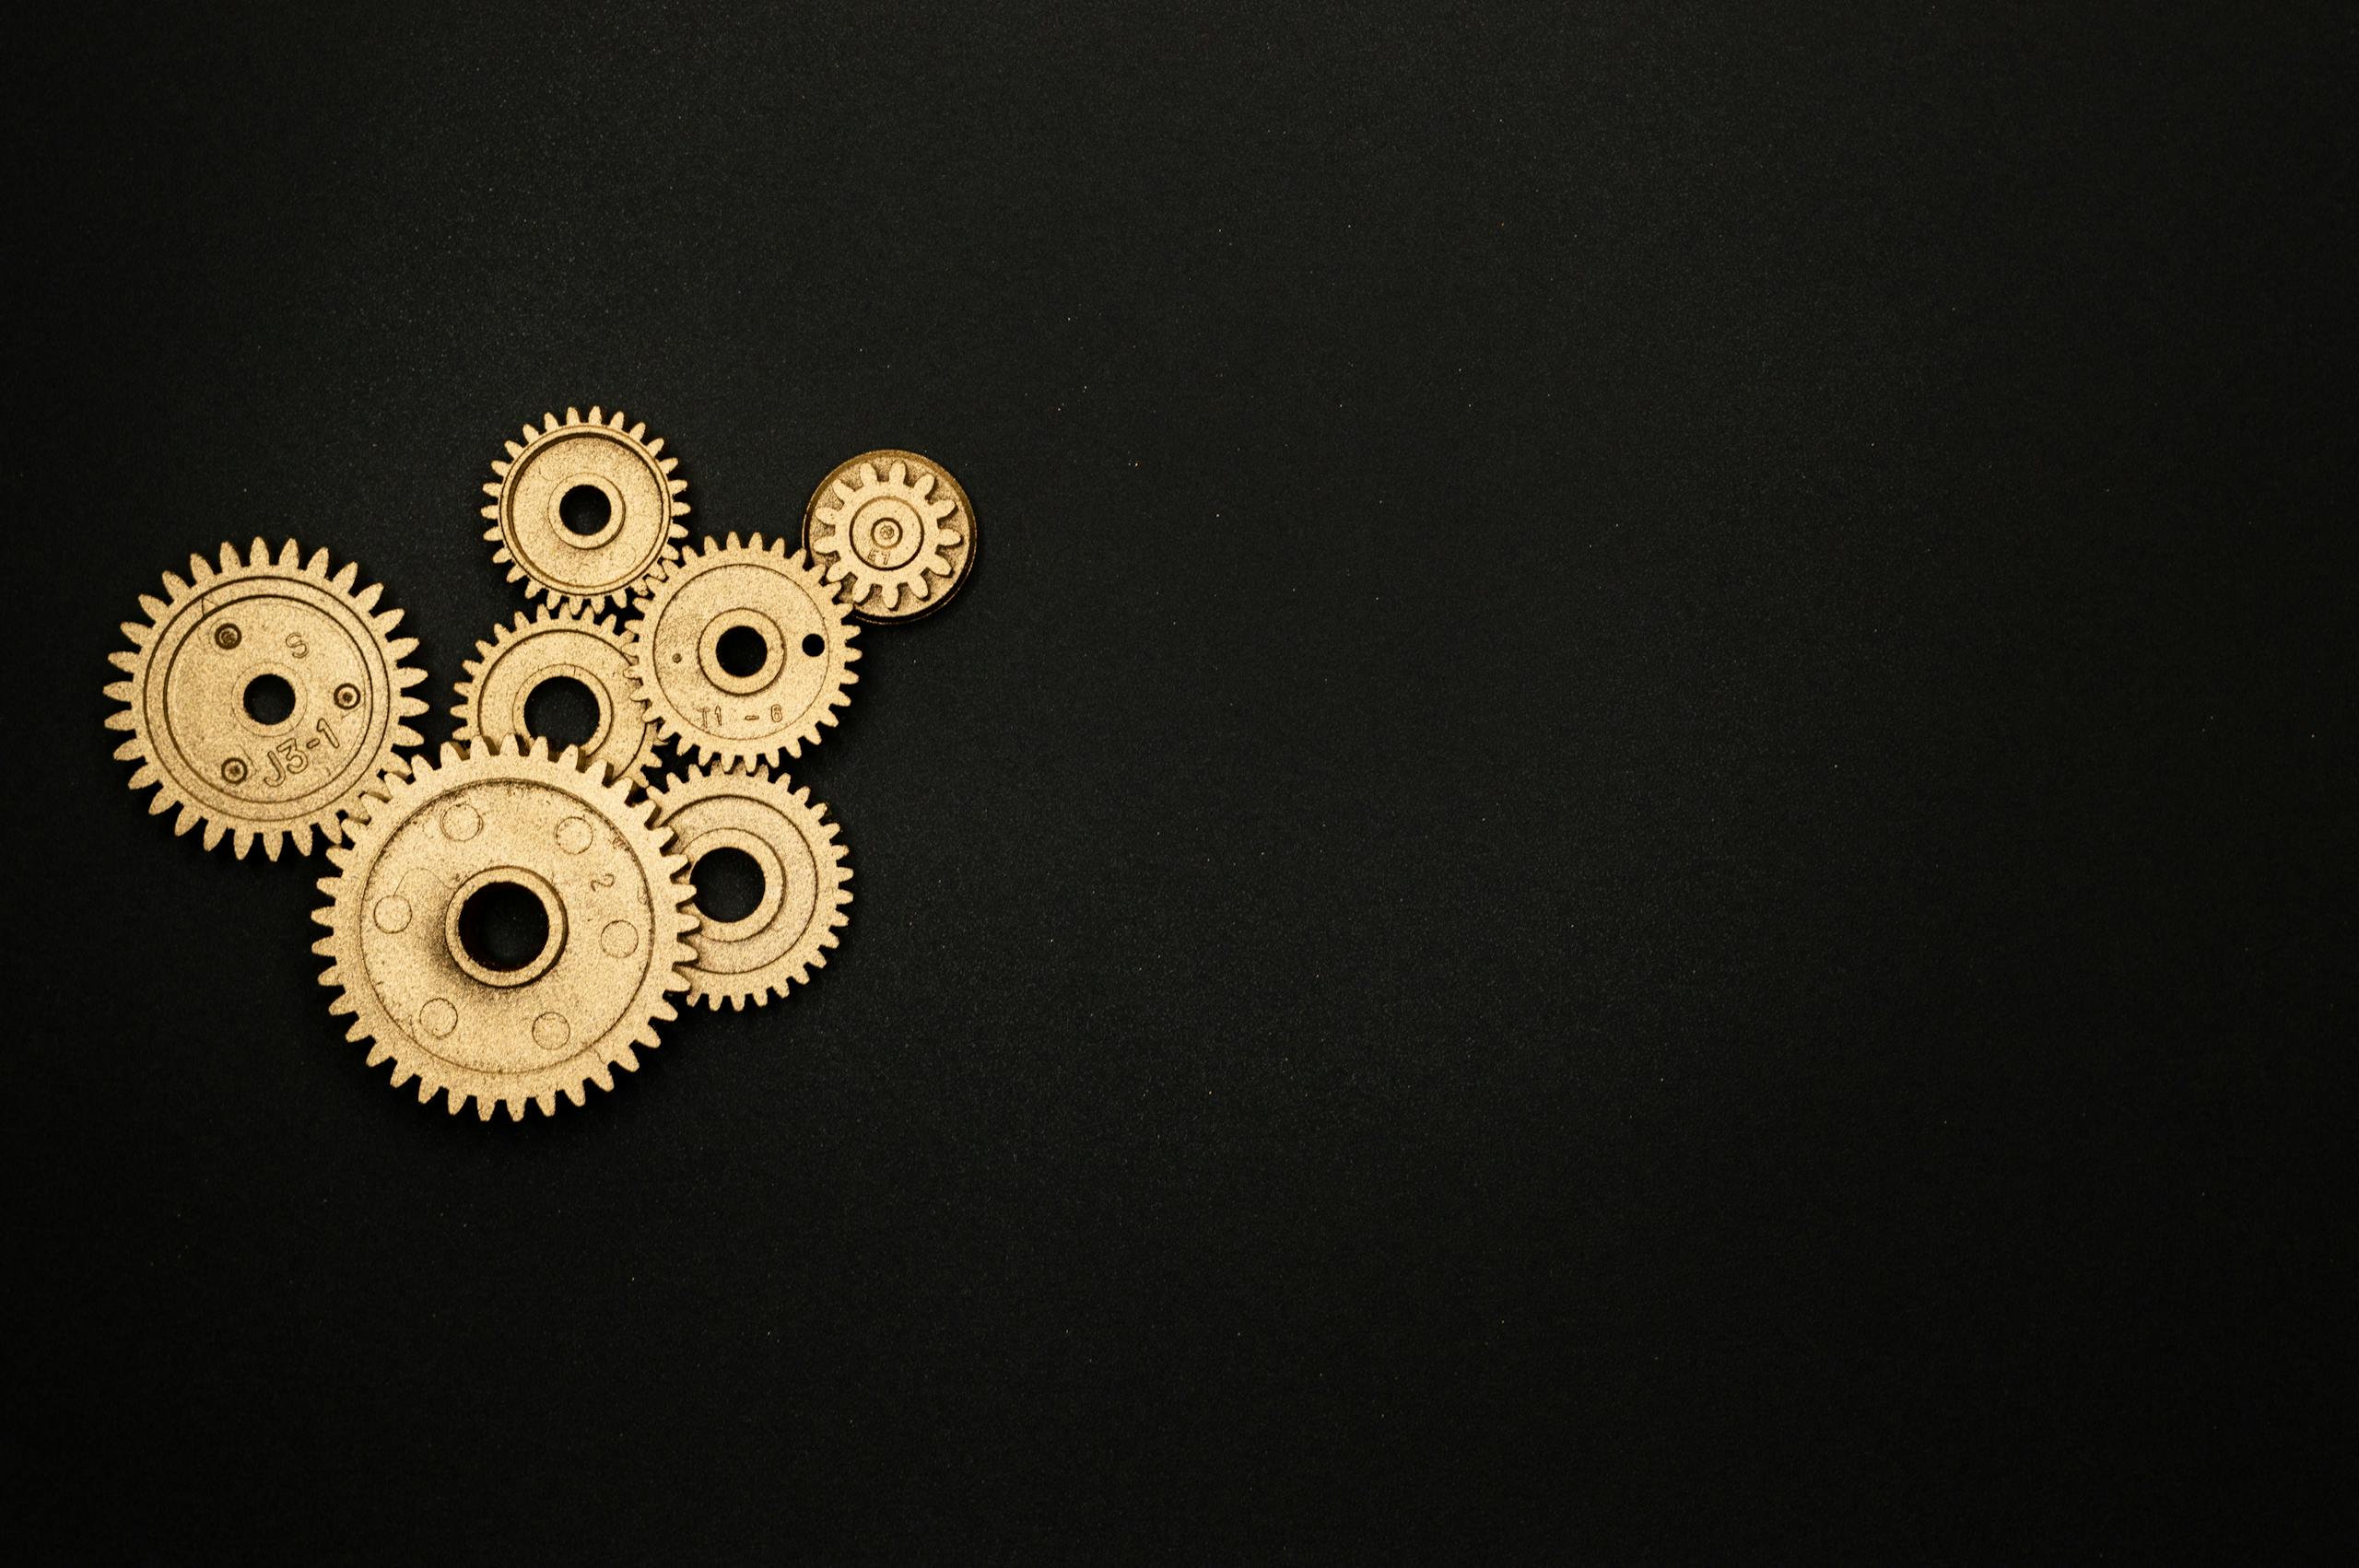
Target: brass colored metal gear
x,y
745,962
688,632
560,644
403,954
896,529
200,677
582,509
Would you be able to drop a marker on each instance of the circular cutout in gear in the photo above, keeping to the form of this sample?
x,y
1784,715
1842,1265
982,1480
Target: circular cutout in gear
x,y
895,532
553,645
582,509
741,653
786,935
479,826
264,696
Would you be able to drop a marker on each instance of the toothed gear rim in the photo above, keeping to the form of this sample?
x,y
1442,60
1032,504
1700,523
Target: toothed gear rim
x,y
895,532
233,622
615,901
631,475
781,706
520,658
747,961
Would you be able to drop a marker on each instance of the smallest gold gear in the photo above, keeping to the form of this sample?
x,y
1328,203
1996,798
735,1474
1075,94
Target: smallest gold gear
x,y
775,944
895,530
557,645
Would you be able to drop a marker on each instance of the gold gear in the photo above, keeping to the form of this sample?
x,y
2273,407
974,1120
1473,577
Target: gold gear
x,y
886,525
553,643
612,894
746,962
634,491
243,621
807,663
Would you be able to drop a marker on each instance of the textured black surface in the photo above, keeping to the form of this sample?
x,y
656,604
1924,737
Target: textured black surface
x,y
1638,840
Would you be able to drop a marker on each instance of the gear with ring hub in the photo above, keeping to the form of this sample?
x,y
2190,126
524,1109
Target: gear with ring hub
x,y
775,944
408,961
895,530
582,509
557,645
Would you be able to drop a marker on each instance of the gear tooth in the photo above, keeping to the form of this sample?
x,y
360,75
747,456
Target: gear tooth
x,y
614,421
186,820
366,599
290,556
399,648
258,553
500,465
161,801
597,415
198,572
491,515
228,557
577,1094
549,422
345,1006
145,775
326,914
515,452
602,1078
345,577
572,417
449,756
240,842
655,447
546,1100
681,508
156,609
677,486
124,660
491,488
122,691
483,1109
300,837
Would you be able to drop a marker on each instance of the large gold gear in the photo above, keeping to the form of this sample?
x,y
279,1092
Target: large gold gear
x,y
613,895
626,481
549,645
896,531
729,589
745,962
230,627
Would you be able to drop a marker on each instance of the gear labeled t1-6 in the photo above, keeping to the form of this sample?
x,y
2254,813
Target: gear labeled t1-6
x,y
582,509
557,645
741,653
264,696
895,530
462,841
785,935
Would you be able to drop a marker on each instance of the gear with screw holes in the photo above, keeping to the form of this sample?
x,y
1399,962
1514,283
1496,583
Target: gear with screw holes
x,y
201,669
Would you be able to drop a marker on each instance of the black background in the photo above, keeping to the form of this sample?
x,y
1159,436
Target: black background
x,y
1638,840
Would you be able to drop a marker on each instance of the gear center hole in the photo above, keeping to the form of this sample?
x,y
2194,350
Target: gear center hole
x,y
562,711
728,884
269,699
742,651
503,926
584,509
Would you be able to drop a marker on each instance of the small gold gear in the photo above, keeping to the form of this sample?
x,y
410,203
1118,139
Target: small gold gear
x,y
548,645
743,591
631,496
613,896
745,962
228,628
886,525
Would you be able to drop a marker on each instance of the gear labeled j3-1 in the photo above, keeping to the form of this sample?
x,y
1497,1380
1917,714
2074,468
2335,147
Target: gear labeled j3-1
x,y
428,867
742,652
582,510
895,532
264,696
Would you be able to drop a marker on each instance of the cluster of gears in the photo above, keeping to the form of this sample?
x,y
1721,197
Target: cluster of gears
x,y
266,698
